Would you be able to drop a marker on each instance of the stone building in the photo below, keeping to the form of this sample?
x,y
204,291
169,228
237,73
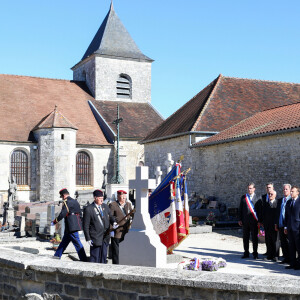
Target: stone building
x,y
223,103
59,133
262,148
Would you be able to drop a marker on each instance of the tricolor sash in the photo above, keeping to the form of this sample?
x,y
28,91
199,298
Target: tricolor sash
x,y
251,207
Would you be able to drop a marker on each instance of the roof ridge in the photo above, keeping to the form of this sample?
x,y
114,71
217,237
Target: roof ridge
x,y
276,107
207,101
260,80
58,79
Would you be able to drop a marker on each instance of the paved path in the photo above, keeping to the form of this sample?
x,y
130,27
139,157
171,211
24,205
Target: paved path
x,y
227,244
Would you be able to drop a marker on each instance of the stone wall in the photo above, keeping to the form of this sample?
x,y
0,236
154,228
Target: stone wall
x,y
22,274
86,72
225,169
100,157
131,153
57,164
24,193
156,155
108,71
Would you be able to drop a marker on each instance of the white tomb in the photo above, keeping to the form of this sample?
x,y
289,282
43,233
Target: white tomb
x,y
142,245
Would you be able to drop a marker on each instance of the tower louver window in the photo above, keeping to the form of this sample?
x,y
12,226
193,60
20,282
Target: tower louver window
x,y
124,87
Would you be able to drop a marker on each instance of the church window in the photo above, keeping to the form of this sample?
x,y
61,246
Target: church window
x,y
83,168
124,86
19,167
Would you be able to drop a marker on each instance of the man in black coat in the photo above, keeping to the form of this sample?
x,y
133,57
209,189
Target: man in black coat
x,y
270,215
249,220
71,212
264,202
96,221
292,227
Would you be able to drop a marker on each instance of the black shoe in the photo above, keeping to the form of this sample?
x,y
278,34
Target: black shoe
x,y
290,267
284,262
275,259
267,259
255,256
246,255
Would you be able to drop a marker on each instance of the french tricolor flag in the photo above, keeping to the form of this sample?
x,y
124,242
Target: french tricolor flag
x,y
166,210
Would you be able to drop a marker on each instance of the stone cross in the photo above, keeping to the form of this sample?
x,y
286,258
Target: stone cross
x,y
141,185
169,162
142,246
158,174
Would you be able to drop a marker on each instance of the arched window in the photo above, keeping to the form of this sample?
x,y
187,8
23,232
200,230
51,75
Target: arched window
x,y
83,169
124,86
19,167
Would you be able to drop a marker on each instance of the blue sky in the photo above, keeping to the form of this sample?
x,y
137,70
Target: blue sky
x,y
191,41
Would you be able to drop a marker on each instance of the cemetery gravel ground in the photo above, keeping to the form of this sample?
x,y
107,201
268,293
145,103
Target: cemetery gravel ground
x,y
227,244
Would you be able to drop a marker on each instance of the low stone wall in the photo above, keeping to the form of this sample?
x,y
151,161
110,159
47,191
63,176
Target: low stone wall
x,y
22,274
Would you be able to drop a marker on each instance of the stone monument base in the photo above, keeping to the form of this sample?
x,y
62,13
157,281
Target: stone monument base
x,y
10,217
148,252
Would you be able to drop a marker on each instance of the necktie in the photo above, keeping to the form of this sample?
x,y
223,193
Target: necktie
x,y
101,212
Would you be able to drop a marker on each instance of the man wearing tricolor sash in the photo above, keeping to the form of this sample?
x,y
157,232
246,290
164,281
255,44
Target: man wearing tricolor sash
x,y
248,218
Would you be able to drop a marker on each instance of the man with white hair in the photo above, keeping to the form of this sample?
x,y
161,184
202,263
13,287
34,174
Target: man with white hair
x,y
280,222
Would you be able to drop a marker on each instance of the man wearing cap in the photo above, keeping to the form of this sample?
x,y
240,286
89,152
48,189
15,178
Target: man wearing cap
x,y
120,209
71,212
96,221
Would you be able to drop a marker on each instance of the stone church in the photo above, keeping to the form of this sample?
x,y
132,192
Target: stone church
x,y
60,133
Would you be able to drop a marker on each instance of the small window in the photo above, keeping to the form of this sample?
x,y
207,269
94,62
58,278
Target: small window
x,y
124,87
19,167
83,168
62,136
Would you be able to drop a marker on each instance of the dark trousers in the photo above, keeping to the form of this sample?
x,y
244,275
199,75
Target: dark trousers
x,y
98,254
294,246
115,250
271,238
250,228
284,244
74,238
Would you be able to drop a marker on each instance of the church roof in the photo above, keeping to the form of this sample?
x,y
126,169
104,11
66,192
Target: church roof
x,y
138,118
25,101
112,39
271,121
225,102
55,120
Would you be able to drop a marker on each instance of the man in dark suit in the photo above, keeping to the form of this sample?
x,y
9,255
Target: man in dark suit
x,y
264,202
96,222
280,222
119,210
248,218
292,227
71,212
270,215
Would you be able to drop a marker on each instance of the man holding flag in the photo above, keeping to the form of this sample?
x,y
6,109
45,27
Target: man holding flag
x,y
249,220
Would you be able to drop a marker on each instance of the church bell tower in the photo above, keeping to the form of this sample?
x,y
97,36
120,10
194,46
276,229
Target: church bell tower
x,y
113,66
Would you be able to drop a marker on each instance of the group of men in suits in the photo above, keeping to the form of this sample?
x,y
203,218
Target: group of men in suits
x,y
280,218
101,222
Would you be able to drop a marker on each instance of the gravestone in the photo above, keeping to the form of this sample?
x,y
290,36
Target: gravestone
x,y
142,246
169,162
158,174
